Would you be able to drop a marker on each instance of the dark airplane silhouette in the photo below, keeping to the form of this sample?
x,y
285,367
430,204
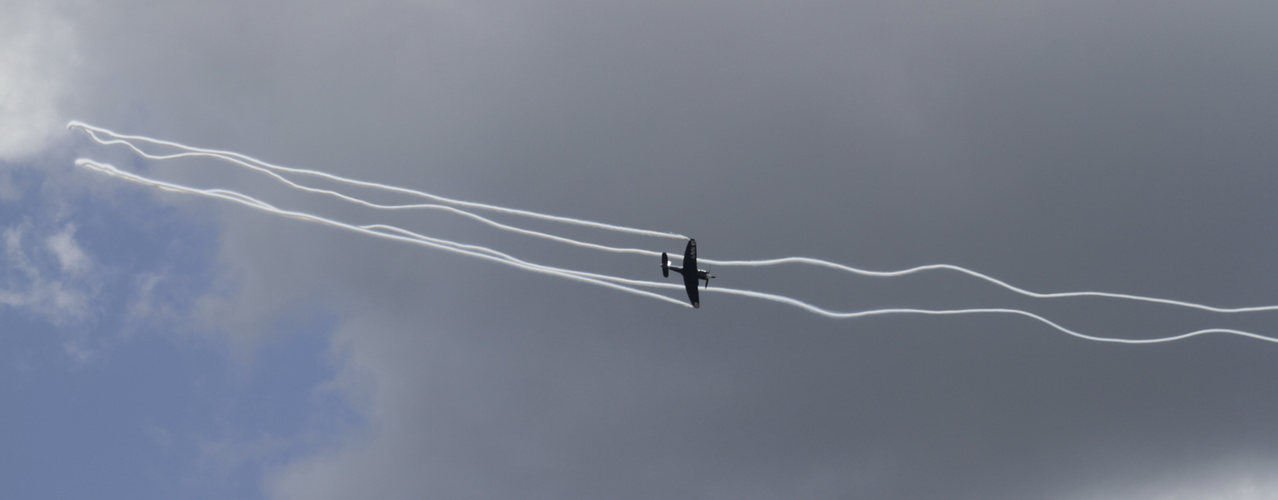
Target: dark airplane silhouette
x,y
689,271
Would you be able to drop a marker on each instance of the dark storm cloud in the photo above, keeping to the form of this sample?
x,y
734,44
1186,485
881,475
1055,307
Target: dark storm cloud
x,y
1061,146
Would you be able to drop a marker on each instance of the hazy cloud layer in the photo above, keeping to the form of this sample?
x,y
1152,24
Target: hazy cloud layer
x,y
1059,145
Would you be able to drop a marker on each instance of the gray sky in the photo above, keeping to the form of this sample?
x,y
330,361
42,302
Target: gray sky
x,y
1061,146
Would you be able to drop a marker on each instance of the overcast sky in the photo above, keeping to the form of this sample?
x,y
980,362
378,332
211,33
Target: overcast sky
x,y
160,345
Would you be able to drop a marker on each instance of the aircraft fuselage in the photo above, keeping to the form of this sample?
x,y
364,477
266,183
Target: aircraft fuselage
x,y
691,275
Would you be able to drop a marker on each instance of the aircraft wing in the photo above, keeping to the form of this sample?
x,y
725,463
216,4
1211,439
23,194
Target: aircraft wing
x,y
690,273
690,283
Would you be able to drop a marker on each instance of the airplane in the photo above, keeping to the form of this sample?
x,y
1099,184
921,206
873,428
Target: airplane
x,y
691,275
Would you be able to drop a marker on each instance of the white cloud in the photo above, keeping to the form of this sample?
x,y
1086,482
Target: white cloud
x,y
1240,479
37,54
11,299
70,256
15,257
63,295
143,303
77,350
219,457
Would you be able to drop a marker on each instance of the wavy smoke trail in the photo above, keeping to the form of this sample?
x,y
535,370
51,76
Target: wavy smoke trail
x,y
623,284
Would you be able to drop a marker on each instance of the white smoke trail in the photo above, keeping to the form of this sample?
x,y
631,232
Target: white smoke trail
x,y
269,169
969,272
594,246
605,277
618,283
470,250
250,162
429,206
946,312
